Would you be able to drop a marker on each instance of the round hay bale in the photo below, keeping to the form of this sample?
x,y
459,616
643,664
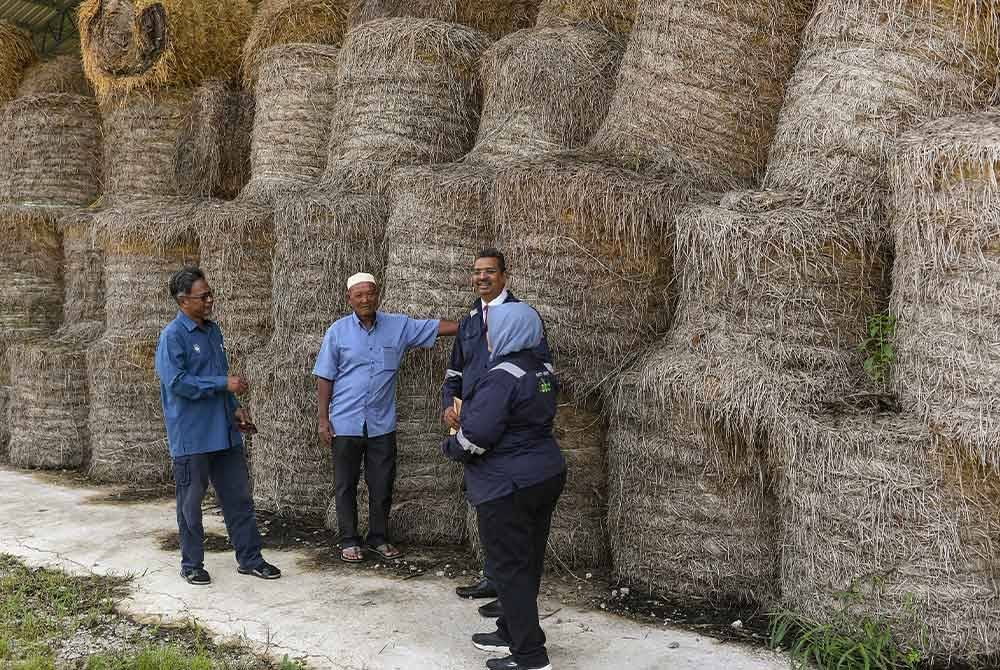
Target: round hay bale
x,y
690,513
4,423
700,88
615,16
17,52
545,90
881,522
588,247
292,468
164,144
296,93
53,150
285,22
320,240
144,243
237,245
128,439
408,94
373,10
141,45
493,17
774,298
61,74
83,271
30,273
945,217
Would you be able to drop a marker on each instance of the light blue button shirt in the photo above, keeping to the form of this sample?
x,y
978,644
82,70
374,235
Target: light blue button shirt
x,y
363,366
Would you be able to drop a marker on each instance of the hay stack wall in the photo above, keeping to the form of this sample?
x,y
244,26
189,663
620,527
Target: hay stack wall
x,y
143,243
493,17
869,70
141,45
51,136
295,93
945,217
49,399
16,53
615,16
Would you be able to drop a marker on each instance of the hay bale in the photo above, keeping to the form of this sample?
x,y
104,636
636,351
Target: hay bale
x,y
296,93
83,271
165,143
60,74
408,94
16,53
4,423
615,16
292,468
945,218
493,17
141,45
588,246
700,88
690,513
52,146
881,521
545,90
869,70
284,22
128,439
237,245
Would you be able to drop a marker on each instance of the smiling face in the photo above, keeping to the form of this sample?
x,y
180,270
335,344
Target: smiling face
x,y
198,302
487,278
363,299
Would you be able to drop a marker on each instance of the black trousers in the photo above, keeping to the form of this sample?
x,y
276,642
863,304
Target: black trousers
x,y
514,531
379,457
227,470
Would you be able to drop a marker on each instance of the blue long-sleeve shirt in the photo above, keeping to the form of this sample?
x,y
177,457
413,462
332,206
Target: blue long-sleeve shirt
x,y
506,440
364,365
198,409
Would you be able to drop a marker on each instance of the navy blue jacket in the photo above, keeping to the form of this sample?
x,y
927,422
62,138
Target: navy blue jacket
x,y
506,440
470,356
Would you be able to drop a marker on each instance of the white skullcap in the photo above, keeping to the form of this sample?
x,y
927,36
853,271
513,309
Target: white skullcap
x,y
360,278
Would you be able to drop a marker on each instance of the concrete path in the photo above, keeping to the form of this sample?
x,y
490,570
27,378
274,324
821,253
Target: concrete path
x,y
392,625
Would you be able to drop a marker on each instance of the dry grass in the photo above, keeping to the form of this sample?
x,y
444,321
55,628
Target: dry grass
x,y
296,94
945,218
615,16
83,271
700,88
60,74
286,22
545,90
493,17
16,53
870,70
141,45
408,94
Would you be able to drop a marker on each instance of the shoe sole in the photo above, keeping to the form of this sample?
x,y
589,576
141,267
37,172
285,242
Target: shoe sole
x,y
492,648
251,573
193,583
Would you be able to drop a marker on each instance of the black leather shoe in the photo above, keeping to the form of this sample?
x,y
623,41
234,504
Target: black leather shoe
x,y
491,642
265,571
491,610
508,663
196,576
482,589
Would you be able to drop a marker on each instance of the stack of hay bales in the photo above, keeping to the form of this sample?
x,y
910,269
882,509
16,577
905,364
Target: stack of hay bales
x,y
616,16
50,390
51,136
493,17
945,218
882,522
16,53
143,243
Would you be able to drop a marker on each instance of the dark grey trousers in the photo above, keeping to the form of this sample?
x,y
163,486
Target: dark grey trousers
x,y
379,457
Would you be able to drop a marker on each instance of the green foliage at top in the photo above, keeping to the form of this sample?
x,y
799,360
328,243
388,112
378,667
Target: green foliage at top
x,y
877,347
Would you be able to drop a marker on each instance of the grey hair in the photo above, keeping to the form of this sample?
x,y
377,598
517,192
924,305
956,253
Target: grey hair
x,y
182,281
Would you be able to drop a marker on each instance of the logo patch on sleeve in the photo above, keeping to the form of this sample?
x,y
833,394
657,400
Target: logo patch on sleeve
x,y
544,386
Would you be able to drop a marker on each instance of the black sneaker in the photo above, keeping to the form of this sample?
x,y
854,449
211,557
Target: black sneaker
x,y
196,576
265,571
491,642
508,663
482,589
491,610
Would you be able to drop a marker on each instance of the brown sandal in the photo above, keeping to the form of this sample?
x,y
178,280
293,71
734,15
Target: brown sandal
x,y
352,555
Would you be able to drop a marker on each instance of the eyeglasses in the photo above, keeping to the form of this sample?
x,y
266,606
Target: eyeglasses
x,y
208,295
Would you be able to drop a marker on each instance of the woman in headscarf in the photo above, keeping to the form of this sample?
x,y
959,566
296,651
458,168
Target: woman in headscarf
x,y
514,474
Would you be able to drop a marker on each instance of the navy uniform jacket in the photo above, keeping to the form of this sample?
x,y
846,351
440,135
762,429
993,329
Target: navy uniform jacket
x,y
470,356
506,439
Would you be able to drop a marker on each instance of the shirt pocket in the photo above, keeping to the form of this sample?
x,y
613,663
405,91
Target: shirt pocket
x,y
390,358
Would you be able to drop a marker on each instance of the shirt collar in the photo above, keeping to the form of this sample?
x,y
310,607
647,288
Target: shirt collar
x,y
190,323
499,300
357,320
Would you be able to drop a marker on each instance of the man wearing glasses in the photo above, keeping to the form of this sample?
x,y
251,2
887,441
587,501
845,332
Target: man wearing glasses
x,y
204,428
470,356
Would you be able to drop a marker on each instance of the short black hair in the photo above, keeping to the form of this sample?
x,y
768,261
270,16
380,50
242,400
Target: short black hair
x,y
490,252
182,280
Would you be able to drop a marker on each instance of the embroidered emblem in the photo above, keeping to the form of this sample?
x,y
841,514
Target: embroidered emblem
x,y
544,386
197,349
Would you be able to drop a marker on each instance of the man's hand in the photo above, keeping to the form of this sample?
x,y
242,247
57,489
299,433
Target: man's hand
x,y
243,422
237,385
450,418
326,431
